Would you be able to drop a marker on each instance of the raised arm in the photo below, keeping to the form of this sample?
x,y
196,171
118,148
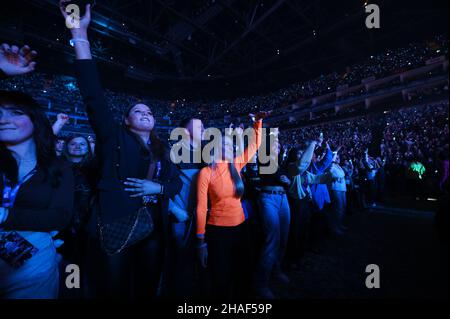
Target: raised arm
x,y
323,165
254,143
366,158
61,120
78,29
100,115
305,160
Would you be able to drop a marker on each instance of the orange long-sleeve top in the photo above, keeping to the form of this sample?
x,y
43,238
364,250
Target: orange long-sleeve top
x,y
216,184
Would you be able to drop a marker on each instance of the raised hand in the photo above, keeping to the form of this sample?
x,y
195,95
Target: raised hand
x,y
78,28
62,118
319,140
260,115
15,61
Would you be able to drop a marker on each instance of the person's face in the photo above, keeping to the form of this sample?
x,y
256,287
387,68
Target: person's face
x,y
196,129
15,125
77,147
90,139
228,148
275,148
59,145
140,118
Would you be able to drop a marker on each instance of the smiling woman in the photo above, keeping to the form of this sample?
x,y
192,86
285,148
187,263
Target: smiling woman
x,y
129,224
36,199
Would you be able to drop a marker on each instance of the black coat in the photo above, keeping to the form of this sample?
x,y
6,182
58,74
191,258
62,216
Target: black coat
x,y
39,206
120,154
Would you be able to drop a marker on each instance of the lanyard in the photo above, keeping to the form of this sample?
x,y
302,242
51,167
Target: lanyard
x,y
9,192
158,170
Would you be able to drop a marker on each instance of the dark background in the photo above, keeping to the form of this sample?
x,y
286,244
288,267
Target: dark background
x,y
213,49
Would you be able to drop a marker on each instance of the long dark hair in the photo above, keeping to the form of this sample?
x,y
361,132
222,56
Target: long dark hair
x,y
238,183
42,135
237,180
158,149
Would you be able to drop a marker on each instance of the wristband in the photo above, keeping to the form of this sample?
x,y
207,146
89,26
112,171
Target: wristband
x,y
73,41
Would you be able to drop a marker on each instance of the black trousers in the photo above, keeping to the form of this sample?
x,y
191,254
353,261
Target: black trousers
x,y
228,264
299,229
133,273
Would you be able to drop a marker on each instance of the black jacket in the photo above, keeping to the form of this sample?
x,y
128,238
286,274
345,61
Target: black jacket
x,y
39,206
119,153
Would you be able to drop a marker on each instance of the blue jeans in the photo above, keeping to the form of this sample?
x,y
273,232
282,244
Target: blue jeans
x,y
275,219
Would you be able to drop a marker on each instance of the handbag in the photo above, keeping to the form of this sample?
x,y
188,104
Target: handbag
x,y
128,230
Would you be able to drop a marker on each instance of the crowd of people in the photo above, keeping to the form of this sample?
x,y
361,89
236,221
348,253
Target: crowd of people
x,y
144,220
62,93
396,138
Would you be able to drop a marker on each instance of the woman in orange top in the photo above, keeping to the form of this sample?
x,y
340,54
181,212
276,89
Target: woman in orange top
x,y
224,226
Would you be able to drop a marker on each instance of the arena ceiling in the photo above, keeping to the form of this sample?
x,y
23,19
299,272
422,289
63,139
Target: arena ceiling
x,y
220,48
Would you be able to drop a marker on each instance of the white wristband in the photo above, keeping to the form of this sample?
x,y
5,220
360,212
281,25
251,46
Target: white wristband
x,y
73,41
